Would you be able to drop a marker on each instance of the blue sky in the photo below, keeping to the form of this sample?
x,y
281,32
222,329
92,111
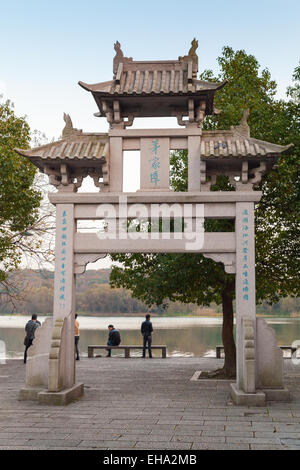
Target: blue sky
x,y
47,46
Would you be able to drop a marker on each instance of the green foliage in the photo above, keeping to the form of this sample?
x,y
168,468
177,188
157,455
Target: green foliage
x,y
19,202
157,278
294,91
246,88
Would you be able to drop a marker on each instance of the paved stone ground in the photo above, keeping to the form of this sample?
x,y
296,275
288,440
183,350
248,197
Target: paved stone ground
x,y
147,404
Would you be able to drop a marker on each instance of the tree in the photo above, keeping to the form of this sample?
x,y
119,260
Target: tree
x,y
157,278
19,200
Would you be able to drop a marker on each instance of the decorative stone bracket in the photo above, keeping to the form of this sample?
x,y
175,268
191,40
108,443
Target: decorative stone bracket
x,y
82,260
69,179
248,178
228,259
113,113
196,114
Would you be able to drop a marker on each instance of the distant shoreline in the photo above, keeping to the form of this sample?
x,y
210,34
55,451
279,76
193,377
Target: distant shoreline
x,y
166,315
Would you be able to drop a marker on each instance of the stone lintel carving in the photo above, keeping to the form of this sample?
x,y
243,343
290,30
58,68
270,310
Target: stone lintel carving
x,y
81,260
228,259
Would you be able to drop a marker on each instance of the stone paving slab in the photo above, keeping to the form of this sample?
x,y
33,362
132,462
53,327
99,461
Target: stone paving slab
x,y
147,405
214,446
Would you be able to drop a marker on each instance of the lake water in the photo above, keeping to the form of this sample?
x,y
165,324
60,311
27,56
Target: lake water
x,y
184,336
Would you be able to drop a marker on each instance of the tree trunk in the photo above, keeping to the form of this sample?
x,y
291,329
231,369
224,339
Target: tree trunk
x,y
227,335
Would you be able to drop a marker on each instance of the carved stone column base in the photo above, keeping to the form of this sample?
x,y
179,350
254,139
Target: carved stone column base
x,y
63,397
30,393
242,398
44,397
279,394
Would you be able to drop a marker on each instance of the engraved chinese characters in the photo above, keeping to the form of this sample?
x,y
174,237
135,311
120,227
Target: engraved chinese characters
x,y
155,163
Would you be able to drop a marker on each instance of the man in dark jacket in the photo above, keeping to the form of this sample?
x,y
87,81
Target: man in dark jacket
x,y
114,338
146,330
30,328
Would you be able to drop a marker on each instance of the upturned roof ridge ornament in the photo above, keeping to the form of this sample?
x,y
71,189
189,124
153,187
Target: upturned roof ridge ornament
x,y
192,56
69,130
119,57
243,128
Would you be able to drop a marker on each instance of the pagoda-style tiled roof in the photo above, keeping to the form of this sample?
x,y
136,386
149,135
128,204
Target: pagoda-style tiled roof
x,y
174,81
166,79
223,151
84,147
225,144
75,145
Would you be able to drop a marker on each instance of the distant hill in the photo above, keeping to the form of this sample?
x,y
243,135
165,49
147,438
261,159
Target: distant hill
x,y
94,296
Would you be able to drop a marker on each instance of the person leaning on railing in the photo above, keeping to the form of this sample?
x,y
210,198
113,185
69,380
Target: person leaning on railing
x,y
30,329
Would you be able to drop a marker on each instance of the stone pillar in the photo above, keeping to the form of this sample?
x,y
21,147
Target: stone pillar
x,y
64,283
244,392
155,164
259,361
194,163
116,164
245,277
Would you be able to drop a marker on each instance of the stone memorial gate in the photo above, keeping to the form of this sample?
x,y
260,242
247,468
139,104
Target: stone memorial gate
x,y
154,89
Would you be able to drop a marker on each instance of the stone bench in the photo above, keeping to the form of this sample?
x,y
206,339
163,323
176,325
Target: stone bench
x,y
290,348
126,348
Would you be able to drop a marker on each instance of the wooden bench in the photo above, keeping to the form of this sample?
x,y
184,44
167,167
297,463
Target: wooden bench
x,y
290,348
127,349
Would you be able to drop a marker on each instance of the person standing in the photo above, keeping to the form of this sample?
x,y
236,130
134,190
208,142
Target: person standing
x,y
146,330
114,338
77,335
30,329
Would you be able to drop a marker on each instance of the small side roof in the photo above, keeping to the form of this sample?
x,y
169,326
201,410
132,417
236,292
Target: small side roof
x,y
237,143
75,145
223,144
